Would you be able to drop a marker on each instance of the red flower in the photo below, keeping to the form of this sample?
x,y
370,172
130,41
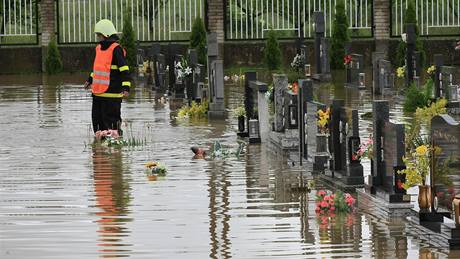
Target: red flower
x,y
321,193
323,204
399,184
347,59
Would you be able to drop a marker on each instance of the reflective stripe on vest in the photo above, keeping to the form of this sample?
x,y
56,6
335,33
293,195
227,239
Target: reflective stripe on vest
x,y
101,69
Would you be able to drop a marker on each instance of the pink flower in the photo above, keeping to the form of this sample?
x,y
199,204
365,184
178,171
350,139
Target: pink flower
x,y
332,208
321,193
323,204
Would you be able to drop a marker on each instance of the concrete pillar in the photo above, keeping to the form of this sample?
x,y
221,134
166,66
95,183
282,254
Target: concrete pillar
x,y
382,25
215,21
48,21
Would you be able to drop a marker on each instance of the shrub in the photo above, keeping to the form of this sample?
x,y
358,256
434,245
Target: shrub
x,y
128,41
340,36
418,98
53,63
272,52
198,40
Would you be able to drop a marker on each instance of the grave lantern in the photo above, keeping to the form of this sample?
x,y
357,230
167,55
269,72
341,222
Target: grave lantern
x,y
292,116
253,129
307,70
362,80
453,95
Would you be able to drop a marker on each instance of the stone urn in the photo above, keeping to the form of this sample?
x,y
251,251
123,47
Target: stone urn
x,y
424,197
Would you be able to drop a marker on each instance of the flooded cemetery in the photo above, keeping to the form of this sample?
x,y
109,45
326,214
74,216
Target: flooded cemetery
x,y
281,128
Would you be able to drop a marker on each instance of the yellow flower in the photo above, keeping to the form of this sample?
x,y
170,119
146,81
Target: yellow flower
x,y
437,150
400,72
150,164
431,70
421,150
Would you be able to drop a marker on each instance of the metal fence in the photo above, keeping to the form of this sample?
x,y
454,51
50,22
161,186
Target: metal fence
x,y
152,20
18,22
434,17
251,19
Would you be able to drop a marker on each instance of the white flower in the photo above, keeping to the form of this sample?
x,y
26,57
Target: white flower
x,y
179,74
178,65
226,78
188,71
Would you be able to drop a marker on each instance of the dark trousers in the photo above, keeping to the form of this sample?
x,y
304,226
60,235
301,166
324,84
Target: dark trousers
x,y
106,114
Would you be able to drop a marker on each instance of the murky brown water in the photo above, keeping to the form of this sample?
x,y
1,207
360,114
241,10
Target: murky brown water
x,y
62,197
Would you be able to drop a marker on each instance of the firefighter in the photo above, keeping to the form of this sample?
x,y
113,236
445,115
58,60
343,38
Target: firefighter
x,y
110,80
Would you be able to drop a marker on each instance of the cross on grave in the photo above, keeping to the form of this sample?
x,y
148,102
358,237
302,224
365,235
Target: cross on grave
x,y
410,48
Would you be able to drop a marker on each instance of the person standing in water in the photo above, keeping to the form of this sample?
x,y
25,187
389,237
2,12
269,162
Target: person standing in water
x,y
109,81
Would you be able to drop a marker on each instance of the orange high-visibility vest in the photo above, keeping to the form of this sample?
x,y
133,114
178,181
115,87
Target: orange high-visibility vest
x,y
101,69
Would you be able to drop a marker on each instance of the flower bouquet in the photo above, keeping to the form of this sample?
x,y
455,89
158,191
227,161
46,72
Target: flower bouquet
x,y
183,70
338,202
323,120
401,72
365,150
293,88
347,60
155,168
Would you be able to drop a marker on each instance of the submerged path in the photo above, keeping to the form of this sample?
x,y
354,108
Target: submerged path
x,y
61,197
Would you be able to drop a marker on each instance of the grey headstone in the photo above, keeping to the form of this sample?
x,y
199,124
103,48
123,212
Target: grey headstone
x,y
192,57
213,47
324,55
381,114
280,84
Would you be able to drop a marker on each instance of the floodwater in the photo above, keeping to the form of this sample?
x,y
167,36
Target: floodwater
x,y
63,197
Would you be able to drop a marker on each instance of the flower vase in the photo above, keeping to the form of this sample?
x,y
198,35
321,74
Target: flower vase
x,y
241,120
424,197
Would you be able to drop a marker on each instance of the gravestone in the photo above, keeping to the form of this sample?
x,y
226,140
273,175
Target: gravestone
x,y
258,90
280,84
248,99
334,140
190,82
212,48
384,76
445,136
355,70
321,49
376,56
350,167
198,82
305,95
216,87
179,84
160,72
438,63
173,50
388,151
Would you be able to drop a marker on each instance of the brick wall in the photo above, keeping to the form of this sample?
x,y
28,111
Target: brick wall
x,y
382,19
216,18
47,20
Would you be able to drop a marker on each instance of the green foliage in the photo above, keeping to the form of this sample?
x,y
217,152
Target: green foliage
x,y
53,63
410,16
128,41
196,110
239,112
418,98
272,52
340,36
198,40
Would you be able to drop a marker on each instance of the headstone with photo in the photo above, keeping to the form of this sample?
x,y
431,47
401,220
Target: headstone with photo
x,y
321,49
355,70
280,85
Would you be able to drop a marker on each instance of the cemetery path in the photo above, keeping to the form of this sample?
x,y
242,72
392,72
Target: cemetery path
x,y
62,197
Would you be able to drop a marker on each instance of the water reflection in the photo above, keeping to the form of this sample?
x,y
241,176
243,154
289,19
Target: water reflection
x,y
112,198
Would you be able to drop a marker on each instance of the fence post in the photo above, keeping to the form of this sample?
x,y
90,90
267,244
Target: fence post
x,y
48,20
